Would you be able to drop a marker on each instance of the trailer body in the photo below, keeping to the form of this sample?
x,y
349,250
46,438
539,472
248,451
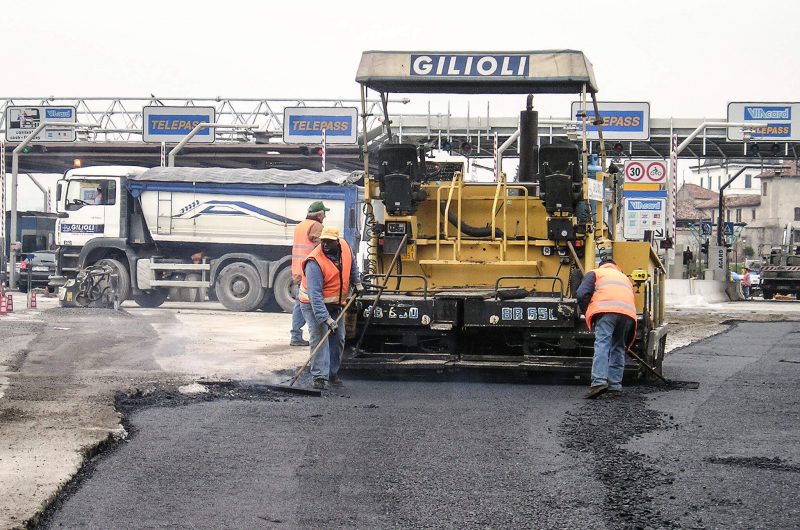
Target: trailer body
x,y
228,232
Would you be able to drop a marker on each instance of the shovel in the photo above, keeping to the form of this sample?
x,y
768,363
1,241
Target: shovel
x,y
670,383
283,387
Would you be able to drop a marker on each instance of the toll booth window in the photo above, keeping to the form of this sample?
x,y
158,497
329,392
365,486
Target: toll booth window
x,y
91,192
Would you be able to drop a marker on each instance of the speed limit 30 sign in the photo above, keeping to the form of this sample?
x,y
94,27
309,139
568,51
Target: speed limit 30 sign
x,y
645,171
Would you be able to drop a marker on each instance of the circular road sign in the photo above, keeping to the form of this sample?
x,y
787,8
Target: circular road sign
x,y
634,171
656,171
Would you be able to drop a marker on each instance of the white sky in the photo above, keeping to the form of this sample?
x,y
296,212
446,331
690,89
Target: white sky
x,y
687,58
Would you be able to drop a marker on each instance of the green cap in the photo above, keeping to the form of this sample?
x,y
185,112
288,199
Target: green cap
x,y
317,206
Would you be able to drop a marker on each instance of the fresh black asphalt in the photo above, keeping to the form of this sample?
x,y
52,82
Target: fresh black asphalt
x,y
468,453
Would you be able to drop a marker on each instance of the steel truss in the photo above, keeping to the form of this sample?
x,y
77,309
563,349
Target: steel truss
x,y
120,118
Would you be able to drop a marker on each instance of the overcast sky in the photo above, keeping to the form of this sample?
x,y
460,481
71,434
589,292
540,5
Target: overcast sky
x,y
687,58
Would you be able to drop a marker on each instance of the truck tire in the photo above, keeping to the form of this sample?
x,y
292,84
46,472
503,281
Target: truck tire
x,y
283,289
152,298
238,287
767,295
124,279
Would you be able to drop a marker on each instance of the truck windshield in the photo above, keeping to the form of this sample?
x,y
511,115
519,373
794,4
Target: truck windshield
x,y
90,192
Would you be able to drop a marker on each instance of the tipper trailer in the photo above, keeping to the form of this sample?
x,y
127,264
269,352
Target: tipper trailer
x,y
226,230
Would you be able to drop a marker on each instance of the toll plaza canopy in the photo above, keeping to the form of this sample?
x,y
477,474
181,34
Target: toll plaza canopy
x,y
542,72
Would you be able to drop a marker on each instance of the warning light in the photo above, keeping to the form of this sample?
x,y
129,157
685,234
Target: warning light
x,y
754,150
466,148
447,146
617,148
77,162
775,149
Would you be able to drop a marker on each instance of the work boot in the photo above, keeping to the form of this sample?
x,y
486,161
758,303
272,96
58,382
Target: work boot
x,y
298,342
318,384
335,380
595,391
614,392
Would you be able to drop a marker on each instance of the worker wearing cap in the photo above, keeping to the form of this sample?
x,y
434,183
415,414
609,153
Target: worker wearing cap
x,y
606,298
328,273
306,238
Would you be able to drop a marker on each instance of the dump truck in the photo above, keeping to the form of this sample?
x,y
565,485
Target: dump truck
x,y
228,231
483,275
780,272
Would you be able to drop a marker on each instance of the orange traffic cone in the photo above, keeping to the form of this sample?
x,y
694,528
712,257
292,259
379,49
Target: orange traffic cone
x,y
10,303
3,305
32,300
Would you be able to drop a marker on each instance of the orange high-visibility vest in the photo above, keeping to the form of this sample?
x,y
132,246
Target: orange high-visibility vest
x,y
302,246
613,293
335,282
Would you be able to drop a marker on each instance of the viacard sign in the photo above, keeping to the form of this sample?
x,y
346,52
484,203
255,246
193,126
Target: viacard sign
x,y
781,119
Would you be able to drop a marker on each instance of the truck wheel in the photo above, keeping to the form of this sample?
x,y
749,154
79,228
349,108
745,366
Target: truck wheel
x,y
152,298
124,279
767,295
238,287
283,289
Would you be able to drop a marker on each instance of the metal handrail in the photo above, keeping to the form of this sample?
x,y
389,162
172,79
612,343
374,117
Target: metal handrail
x,y
535,278
384,289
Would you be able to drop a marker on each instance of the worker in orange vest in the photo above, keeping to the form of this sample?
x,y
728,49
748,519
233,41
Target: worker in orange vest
x,y
329,272
306,238
606,298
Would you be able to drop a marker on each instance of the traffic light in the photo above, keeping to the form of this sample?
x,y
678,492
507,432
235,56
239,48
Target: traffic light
x,y
775,150
704,247
466,148
618,148
447,146
754,150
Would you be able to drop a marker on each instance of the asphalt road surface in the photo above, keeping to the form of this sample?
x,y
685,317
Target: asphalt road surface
x,y
468,454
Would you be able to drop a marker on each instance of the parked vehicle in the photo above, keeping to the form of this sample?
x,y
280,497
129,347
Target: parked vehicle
x,y
780,273
36,269
230,230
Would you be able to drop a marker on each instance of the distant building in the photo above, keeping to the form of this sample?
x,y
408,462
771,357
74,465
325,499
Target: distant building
x,y
711,174
780,204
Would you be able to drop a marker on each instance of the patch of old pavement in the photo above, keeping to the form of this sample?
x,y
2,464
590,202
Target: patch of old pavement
x,y
735,447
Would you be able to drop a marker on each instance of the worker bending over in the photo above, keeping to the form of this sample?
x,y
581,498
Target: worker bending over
x,y
606,298
327,276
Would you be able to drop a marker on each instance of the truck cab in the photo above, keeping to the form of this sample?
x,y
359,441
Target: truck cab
x,y
92,206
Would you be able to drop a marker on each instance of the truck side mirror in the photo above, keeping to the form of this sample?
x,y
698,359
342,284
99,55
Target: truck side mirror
x,y
59,191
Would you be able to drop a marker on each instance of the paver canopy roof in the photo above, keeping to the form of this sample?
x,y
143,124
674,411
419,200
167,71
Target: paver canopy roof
x,y
521,72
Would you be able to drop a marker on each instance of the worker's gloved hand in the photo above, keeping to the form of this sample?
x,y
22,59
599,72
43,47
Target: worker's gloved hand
x,y
332,325
359,289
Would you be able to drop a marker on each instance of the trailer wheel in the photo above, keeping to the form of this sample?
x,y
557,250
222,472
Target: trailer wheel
x,y
124,279
152,298
239,288
283,289
767,295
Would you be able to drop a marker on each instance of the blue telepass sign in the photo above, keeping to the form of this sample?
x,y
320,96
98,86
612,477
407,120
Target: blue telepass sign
x,y
782,121
622,120
172,124
304,125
